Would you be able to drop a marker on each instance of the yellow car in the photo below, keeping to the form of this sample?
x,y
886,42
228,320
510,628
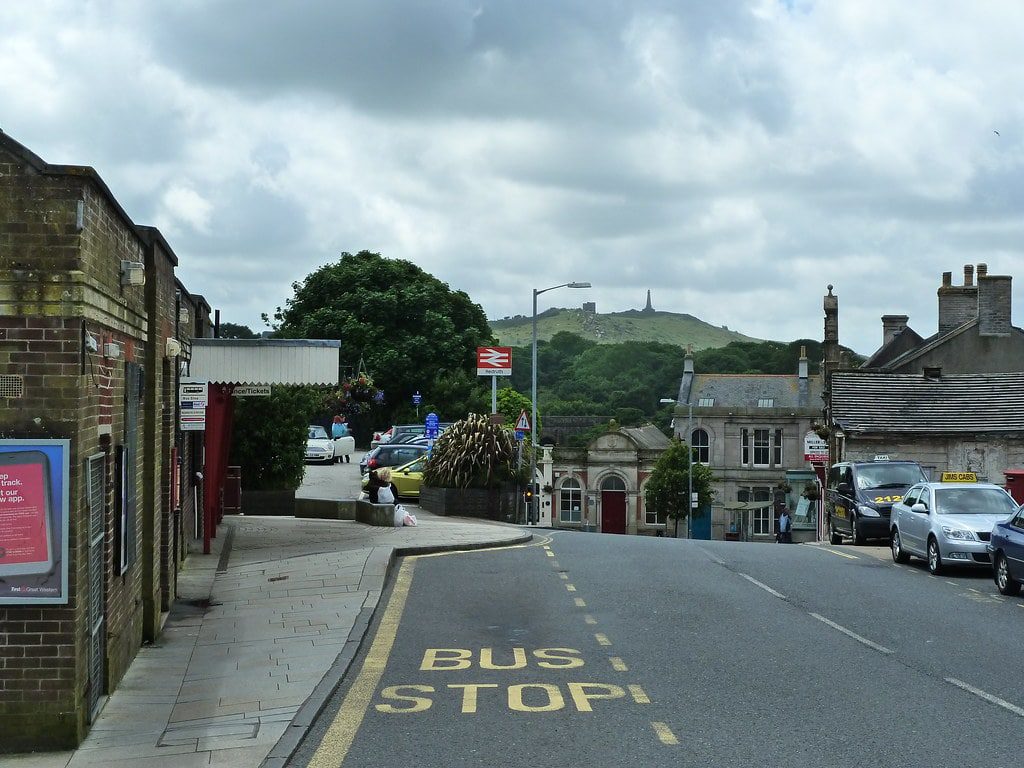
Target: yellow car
x,y
407,478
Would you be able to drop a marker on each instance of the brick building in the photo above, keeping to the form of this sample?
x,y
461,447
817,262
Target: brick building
x,y
90,341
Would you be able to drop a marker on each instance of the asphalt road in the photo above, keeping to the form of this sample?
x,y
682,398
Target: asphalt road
x,y
619,651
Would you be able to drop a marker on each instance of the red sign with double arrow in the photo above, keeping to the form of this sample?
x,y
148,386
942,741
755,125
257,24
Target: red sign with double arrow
x,y
494,361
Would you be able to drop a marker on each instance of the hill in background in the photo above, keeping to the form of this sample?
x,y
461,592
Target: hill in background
x,y
616,327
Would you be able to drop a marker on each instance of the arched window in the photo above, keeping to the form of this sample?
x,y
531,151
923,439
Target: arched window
x,y
701,444
570,501
613,483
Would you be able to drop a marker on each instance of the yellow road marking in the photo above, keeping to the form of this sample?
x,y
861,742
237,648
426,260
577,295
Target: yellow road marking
x,y
579,603
590,619
554,564
549,553
570,587
618,665
342,731
563,575
602,639
837,552
540,542
638,694
547,546
664,734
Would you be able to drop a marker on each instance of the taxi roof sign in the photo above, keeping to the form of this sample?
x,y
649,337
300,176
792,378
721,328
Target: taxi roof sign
x,y
881,457
959,477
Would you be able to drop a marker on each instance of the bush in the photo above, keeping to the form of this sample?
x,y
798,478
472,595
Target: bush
x,y
473,453
269,437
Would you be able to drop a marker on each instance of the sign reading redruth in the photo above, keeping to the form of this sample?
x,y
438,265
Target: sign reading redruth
x,y
494,361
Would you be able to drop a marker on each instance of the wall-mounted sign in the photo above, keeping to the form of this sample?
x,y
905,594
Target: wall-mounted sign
x,y
34,521
193,396
251,390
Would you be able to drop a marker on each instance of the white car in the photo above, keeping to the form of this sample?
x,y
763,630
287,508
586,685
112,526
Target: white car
x,y
319,446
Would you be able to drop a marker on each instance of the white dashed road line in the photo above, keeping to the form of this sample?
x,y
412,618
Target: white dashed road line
x,y
853,635
763,586
986,696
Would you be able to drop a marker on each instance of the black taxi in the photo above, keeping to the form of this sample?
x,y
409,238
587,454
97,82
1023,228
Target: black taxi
x,y
859,496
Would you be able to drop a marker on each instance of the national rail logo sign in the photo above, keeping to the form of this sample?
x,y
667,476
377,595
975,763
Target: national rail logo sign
x,y
494,361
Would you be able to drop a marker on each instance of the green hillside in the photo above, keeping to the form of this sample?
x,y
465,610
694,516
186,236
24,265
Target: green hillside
x,y
615,327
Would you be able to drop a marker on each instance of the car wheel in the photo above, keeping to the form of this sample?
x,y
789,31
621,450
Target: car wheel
x,y
833,535
858,537
1005,583
899,555
934,557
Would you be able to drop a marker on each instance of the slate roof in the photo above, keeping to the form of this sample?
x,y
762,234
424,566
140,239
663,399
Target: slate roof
x,y
647,437
875,401
744,390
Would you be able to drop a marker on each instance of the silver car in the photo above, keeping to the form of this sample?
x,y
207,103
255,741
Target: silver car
x,y
948,523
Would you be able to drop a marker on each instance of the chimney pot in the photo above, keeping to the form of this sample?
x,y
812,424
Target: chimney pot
x,y
892,325
968,275
982,270
947,279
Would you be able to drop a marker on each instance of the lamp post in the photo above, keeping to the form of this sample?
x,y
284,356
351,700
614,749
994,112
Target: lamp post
x,y
532,513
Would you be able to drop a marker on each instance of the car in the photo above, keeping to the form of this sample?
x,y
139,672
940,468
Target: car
x,y
390,455
319,446
859,496
948,522
1006,547
407,478
404,433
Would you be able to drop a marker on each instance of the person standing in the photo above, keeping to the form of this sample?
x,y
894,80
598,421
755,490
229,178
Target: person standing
x,y
785,528
340,429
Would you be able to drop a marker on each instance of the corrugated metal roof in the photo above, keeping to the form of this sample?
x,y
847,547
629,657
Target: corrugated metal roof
x,y
265,361
890,402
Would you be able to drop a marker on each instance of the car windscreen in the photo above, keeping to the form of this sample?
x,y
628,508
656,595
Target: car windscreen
x,y
973,501
888,475
317,433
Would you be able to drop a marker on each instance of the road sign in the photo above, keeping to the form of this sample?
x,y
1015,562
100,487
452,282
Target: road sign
x,y
494,361
520,434
523,424
194,392
431,426
417,398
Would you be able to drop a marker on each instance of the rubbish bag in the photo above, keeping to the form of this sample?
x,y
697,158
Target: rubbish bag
x,y
409,519
399,518
385,496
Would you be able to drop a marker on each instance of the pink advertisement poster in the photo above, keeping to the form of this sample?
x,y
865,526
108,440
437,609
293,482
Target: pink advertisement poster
x,y
33,521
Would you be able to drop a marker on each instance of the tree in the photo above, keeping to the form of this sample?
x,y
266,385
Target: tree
x,y
409,328
668,488
235,331
269,436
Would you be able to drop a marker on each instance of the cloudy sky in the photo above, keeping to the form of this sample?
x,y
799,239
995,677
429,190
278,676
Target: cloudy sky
x,y
734,157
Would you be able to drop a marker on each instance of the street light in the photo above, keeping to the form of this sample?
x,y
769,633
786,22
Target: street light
x,y
532,512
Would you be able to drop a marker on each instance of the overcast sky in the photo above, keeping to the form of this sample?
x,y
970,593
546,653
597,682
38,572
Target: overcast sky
x,y
733,157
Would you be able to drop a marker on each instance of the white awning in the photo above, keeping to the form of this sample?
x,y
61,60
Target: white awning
x,y
265,361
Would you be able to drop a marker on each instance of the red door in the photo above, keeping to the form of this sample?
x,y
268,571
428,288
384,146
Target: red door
x,y
613,512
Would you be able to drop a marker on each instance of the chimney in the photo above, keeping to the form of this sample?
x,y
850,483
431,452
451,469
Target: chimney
x,y
982,271
993,304
892,325
830,341
957,304
688,360
802,365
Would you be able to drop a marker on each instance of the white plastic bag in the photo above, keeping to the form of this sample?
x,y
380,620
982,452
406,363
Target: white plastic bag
x,y
385,496
399,518
409,519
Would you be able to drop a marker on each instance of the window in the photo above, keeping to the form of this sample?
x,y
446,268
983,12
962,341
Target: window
x,y
651,518
762,518
706,402
613,483
766,402
761,448
570,501
701,445
777,449
744,446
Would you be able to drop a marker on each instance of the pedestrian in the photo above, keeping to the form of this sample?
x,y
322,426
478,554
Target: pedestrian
x,y
340,429
381,478
785,528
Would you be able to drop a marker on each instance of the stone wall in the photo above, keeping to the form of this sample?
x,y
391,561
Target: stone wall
x,y
470,502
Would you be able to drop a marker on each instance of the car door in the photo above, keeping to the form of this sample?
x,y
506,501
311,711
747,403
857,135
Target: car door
x,y
901,513
914,525
408,478
1014,547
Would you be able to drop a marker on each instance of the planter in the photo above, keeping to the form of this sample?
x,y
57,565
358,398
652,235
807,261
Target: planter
x,y
280,503
497,504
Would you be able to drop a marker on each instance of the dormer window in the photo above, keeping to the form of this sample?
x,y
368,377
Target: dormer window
x,y
706,402
766,402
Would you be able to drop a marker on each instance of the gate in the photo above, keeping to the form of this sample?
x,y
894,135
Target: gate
x,y
96,495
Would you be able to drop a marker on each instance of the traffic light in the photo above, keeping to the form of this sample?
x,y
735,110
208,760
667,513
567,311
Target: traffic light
x,y
528,493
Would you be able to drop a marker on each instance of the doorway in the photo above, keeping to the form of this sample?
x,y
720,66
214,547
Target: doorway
x,y
613,505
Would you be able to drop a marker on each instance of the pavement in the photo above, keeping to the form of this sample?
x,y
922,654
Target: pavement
x,y
264,630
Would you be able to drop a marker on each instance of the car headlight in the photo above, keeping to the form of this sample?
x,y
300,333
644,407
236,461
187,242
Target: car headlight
x,y
958,533
866,511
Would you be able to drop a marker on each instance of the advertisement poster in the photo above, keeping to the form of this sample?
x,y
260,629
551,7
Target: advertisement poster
x,y
34,521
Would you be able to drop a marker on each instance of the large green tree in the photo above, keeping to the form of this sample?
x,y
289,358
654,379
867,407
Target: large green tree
x,y
411,331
